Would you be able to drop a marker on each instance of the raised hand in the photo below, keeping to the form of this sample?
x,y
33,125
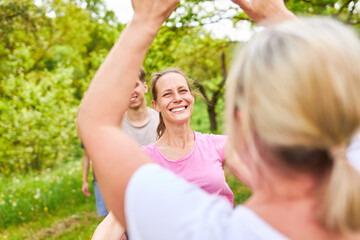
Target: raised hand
x,y
269,10
153,11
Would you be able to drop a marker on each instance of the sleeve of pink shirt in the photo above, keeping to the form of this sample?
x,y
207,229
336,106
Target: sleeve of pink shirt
x,y
219,143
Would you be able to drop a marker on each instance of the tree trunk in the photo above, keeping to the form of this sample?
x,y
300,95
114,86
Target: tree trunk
x,y
212,118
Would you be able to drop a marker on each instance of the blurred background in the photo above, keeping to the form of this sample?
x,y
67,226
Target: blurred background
x,y
49,52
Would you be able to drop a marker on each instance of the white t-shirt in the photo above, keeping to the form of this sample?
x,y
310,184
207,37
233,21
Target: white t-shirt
x,y
353,152
162,206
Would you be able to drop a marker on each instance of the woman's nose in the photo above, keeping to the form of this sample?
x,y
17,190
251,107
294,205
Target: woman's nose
x,y
177,97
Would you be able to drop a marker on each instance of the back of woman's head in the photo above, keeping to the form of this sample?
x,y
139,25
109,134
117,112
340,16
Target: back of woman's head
x,y
298,87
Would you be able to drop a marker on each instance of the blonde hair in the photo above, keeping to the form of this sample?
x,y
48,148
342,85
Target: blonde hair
x,y
298,87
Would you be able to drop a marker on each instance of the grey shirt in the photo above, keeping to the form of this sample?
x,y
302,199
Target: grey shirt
x,y
144,134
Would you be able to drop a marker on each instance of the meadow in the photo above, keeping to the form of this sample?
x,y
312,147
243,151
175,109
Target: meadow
x,y
51,205
31,203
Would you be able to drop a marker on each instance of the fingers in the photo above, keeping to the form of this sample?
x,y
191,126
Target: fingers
x,y
153,10
85,190
261,10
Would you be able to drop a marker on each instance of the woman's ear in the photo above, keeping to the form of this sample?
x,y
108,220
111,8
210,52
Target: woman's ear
x,y
155,106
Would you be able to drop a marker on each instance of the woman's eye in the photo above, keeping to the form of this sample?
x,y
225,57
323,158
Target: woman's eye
x,y
166,94
183,91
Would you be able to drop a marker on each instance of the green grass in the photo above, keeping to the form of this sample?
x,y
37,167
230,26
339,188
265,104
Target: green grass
x,y
79,220
47,205
79,223
32,197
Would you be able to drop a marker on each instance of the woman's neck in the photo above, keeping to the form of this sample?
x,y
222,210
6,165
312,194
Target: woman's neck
x,y
289,201
177,136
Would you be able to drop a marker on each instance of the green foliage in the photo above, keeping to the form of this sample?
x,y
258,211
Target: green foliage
x,y
203,12
50,51
48,54
37,115
344,10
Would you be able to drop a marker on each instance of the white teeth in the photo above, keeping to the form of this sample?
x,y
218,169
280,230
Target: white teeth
x,y
178,109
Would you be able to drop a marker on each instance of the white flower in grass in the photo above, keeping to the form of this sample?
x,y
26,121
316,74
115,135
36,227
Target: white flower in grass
x,y
2,202
14,204
37,194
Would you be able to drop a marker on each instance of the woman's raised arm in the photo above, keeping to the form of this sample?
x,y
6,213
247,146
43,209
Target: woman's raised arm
x,y
115,157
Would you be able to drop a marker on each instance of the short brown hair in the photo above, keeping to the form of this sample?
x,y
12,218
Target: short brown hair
x,y
142,75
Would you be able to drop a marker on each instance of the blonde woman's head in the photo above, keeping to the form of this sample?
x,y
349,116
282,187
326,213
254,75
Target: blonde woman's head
x,y
297,86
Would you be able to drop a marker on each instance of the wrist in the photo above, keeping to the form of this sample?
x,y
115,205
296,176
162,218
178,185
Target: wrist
x,y
286,15
144,26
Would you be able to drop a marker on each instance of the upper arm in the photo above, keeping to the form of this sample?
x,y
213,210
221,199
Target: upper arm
x,y
219,143
109,149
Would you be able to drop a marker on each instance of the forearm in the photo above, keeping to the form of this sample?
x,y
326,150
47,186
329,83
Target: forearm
x,y
242,173
237,167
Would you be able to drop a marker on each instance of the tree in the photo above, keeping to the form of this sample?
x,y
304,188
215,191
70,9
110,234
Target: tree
x,y
49,53
205,59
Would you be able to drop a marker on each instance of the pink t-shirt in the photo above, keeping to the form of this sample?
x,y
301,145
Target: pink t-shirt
x,y
203,166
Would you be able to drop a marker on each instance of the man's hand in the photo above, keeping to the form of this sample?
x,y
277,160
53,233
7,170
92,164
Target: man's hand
x,y
85,189
265,10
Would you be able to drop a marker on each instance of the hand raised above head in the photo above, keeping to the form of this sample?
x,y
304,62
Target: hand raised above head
x,y
263,10
153,11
